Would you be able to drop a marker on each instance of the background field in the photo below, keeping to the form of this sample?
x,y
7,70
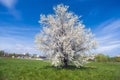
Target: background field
x,y
21,69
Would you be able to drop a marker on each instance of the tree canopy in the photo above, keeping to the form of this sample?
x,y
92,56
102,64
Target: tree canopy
x,y
64,39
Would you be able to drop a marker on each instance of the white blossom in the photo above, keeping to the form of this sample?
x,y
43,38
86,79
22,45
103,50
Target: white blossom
x,y
64,38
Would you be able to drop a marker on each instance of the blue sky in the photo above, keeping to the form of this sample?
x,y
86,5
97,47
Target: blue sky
x,y
19,22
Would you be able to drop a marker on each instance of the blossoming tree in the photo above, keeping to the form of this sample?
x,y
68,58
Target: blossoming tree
x,y
64,38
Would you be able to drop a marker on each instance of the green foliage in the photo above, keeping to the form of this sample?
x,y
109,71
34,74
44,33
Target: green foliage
x,y
2,53
21,69
102,58
117,59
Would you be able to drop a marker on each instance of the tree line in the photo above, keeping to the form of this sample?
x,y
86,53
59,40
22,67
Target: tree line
x,y
106,58
98,58
14,55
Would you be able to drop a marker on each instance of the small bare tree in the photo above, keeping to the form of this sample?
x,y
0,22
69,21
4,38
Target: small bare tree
x,y
64,38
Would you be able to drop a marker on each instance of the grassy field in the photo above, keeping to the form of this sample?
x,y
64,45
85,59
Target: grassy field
x,y
21,69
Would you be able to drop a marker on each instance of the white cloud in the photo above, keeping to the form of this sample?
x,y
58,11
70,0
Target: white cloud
x,y
108,37
10,5
18,39
108,48
11,44
112,26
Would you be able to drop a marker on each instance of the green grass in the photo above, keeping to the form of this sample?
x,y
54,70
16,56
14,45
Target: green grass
x,y
21,69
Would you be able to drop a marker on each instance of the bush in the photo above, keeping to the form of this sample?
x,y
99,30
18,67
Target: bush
x,y
105,58
102,58
2,53
117,59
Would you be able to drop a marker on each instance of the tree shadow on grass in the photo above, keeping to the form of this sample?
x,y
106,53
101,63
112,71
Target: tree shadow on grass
x,y
71,67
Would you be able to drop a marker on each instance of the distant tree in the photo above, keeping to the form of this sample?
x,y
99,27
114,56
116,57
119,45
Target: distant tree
x,y
11,54
34,56
117,58
64,38
102,58
27,54
2,53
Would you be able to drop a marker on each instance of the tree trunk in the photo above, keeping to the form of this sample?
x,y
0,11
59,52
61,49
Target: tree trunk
x,y
65,62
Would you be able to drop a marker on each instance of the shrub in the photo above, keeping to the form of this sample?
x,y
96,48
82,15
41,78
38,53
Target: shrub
x,y
102,58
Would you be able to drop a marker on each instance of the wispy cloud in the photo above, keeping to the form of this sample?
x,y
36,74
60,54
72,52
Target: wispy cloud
x,y
14,45
108,37
112,26
10,5
18,39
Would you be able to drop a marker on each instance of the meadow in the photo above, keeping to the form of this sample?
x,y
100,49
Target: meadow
x,y
22,69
